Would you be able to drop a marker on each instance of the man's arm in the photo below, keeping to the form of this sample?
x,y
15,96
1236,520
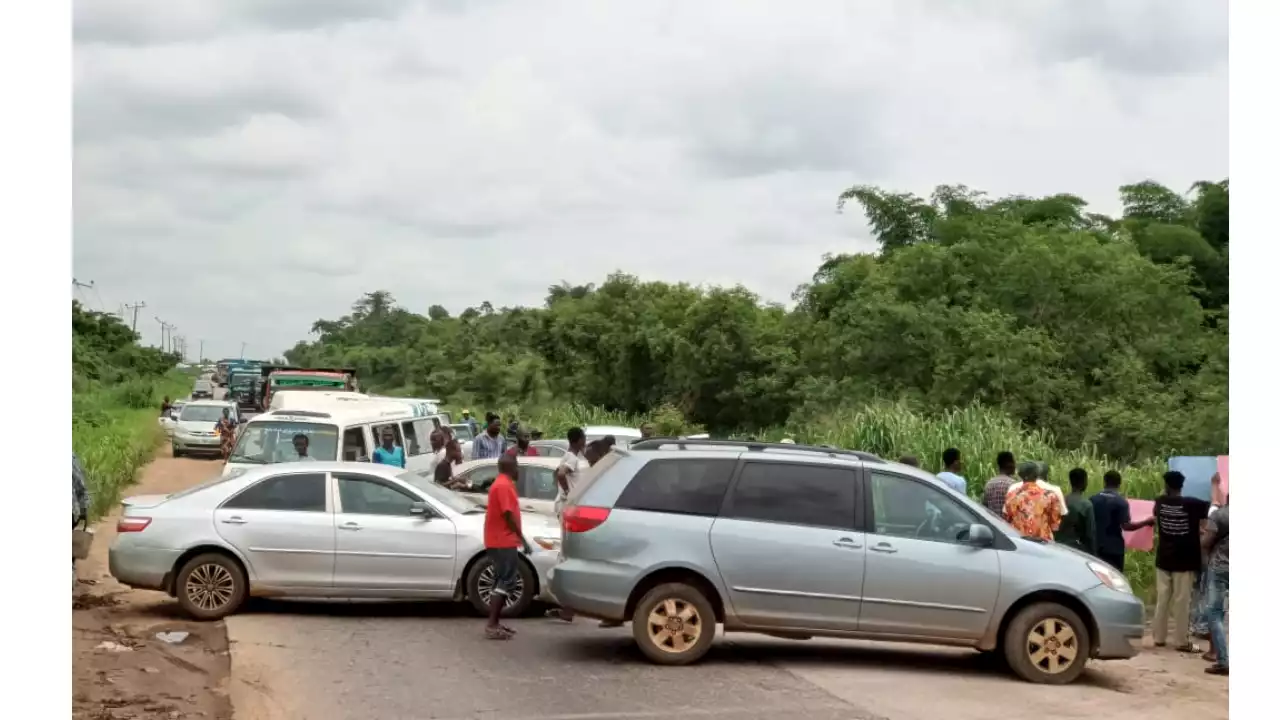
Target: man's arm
x,y
562,478
1090,532
1209,536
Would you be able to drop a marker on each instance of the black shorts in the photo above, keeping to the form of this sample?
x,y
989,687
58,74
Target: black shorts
x,y
1115,560
506,571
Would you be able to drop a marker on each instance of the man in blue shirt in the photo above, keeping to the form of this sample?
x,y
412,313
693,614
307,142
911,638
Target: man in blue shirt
x,y
389,453
1111,513
951,471
490,443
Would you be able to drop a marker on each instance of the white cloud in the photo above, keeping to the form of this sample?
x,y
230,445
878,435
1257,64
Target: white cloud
x,y
249,167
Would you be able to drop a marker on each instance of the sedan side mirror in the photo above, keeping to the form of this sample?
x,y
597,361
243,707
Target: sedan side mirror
x,y
980,535
419,510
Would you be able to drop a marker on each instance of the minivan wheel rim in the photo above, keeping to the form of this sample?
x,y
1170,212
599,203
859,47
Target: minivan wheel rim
x,y
484,587
674,625
210,587
1052,646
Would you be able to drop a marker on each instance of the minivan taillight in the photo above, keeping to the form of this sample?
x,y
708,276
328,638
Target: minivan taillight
x,y
577,519
132,524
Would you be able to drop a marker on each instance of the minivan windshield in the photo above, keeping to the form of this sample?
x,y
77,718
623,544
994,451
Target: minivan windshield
x,y
201,413
271,441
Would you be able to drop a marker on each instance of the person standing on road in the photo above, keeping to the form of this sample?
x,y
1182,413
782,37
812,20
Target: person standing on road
x,y
1111,518
1042,479
1215,542
522,448
388,453
226,430
166,406
490,443
1079,527
1177,521
471,422
951,466
443,472
438,440
1030,509
302,446
503,541
997,488
566,477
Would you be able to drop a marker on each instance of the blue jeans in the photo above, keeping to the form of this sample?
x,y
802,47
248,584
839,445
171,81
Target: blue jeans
x,y
1215,609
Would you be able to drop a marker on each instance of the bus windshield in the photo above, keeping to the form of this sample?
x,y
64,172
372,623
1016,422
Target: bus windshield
x,y
267,442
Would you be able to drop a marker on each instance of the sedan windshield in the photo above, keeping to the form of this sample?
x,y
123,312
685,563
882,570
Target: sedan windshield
x,y
267,442
201,413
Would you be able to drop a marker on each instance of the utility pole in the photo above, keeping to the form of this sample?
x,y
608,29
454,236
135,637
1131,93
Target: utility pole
x,y
76,285
242,345
200,360
135,307
166,335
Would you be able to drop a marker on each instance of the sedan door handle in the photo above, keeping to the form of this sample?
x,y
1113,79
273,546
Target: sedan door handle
x,y
349,526
234,520
846,543
884,548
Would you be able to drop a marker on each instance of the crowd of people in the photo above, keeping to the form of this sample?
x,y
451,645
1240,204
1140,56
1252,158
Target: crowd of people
x,y
1191,538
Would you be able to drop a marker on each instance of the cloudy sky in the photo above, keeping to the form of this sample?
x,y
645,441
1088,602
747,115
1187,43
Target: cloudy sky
x,y
247,167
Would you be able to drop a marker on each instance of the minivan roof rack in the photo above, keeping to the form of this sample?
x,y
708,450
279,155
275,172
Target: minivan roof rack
x,y
750,445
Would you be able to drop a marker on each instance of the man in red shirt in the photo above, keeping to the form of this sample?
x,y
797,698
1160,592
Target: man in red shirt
x,y
503,540
522,448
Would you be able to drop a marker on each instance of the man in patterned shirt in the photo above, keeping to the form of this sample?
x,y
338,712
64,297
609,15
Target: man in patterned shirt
x,y
997,488
1031,509
490,443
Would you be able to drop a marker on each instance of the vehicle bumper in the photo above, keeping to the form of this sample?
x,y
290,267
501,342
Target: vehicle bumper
x,y
590,589
1121,621
197,444
141,567
544,563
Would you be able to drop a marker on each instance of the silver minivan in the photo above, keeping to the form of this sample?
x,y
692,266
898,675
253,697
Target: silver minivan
x,y
676,536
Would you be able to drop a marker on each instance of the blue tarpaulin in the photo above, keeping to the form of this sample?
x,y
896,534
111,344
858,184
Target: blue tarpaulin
x,y
1198,470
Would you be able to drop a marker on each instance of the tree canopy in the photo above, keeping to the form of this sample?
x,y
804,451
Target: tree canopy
x,y
1104,331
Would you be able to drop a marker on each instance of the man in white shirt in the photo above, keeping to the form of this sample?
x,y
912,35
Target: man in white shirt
x,y
436,438
951,471
1042,479
302,446
570,463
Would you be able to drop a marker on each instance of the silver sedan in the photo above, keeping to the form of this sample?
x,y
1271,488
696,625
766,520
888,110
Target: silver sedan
x,y
319,530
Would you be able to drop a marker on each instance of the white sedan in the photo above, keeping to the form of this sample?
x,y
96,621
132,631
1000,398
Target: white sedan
x,y
319,530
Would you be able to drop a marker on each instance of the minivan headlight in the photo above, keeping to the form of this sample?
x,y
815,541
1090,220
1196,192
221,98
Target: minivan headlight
x,y
1110,577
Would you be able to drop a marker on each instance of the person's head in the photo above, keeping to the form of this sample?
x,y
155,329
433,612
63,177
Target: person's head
x,y
1042,470
577,440
536,434
909,460
607,442
522,438
1028,470
1111,480
300,444
1173,481
226,413
1079,479
453,451
166,400
508,465
1004,461
388,438
466,414
646,431
951,459
494,426
594,451
437,440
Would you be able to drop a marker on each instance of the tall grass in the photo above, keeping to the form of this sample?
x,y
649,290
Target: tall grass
x,y
115,431
892,430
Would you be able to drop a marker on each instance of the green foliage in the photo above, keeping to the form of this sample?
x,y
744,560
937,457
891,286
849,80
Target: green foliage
x,y
117,386
1094,331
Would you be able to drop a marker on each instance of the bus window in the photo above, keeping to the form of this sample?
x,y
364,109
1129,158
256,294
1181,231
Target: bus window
x,y
353,445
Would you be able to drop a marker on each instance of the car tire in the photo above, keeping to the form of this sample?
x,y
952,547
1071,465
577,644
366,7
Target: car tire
x,y
211,586
667,643
480,579
1047,643
177,453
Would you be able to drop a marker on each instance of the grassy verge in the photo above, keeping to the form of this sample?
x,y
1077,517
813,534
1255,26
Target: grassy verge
x,y
115,431
893,430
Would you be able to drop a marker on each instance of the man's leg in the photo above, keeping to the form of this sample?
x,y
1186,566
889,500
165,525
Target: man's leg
x,y
1181,608
498,599
1216,611
1115,560
1160,623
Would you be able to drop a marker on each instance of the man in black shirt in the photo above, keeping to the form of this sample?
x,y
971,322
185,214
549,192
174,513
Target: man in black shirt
x,y
1111,513
1177,519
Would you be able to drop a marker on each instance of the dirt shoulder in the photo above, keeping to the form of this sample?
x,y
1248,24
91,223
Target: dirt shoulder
x,y
120,669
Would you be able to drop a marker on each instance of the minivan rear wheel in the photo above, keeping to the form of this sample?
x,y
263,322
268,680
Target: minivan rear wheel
x,y
1047,643
674,624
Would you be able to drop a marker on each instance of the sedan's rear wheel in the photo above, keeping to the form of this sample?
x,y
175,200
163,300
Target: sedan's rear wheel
x,y
480,588
211,586
674,624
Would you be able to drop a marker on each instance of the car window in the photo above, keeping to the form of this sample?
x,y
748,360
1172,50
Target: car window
x,y
482,477
301,492
417,435
693,486
353,446
554,451
909,508
538,483
364,495
796,495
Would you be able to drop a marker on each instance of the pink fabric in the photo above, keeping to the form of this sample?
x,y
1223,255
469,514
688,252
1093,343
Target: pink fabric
x,y
1142,538
1224,462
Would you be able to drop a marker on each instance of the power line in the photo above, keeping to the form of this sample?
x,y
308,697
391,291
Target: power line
x,y
135,307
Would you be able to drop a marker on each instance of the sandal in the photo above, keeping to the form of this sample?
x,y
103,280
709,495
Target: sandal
x,y
1217,670
557,614
496,633
1188,648
507,630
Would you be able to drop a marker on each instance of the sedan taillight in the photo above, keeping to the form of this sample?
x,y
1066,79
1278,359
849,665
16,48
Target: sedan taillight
x,y
132,524
577,519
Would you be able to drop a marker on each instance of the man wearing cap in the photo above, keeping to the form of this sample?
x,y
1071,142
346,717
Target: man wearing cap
x,y
471,422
